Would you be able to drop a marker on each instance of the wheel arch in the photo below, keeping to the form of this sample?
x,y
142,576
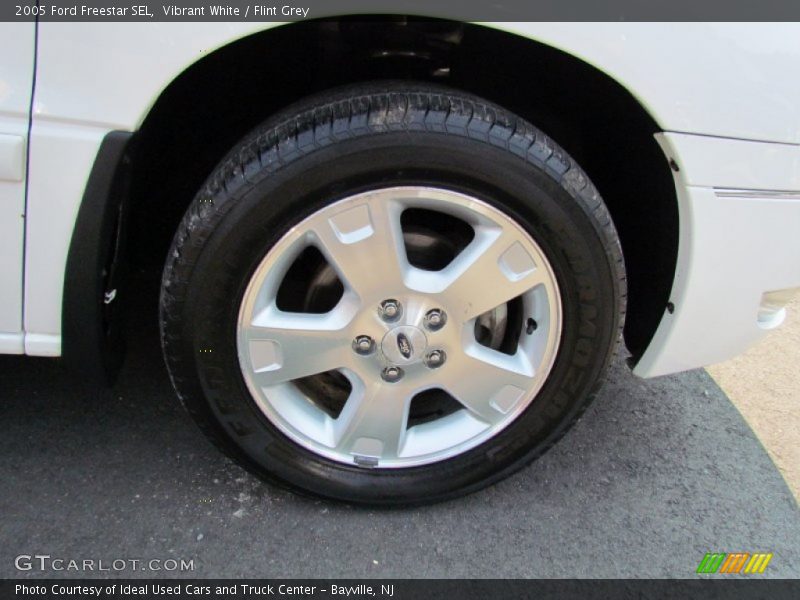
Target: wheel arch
x,y
215,101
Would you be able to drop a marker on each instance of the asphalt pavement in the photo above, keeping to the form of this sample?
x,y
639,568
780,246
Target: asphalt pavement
x,y
655,475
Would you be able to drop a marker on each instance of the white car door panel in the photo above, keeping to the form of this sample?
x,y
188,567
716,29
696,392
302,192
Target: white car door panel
x,y
16,74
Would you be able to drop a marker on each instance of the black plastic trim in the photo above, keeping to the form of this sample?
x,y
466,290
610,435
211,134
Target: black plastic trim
x,y
92,344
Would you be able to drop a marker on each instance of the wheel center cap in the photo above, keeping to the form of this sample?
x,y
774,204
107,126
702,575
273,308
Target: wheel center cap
x,y
404,344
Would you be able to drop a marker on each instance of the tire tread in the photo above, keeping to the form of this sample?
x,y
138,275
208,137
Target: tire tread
x,y
357,111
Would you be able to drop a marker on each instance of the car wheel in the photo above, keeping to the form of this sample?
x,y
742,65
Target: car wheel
x,y
393,293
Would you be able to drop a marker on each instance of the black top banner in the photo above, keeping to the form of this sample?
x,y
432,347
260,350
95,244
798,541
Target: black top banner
x,y
463,10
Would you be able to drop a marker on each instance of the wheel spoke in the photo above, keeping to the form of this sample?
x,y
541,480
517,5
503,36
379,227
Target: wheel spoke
x,y
374,420
493,269
364,243
286,346
488,383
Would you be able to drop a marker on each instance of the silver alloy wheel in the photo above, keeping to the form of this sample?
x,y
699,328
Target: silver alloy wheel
x,y
361,237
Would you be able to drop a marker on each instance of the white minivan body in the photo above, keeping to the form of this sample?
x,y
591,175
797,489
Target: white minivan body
x,y
724,95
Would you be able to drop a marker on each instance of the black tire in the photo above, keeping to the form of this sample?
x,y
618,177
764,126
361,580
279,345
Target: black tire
x,y
348,140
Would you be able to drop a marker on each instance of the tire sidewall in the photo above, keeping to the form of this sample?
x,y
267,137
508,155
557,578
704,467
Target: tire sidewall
x,y
241,225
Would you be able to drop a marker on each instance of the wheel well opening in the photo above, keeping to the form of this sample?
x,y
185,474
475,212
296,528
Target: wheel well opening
x,y
217,101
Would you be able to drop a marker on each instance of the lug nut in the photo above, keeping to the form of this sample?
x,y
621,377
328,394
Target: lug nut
x,y
390,310
435,359
363,344
392,374
435,319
